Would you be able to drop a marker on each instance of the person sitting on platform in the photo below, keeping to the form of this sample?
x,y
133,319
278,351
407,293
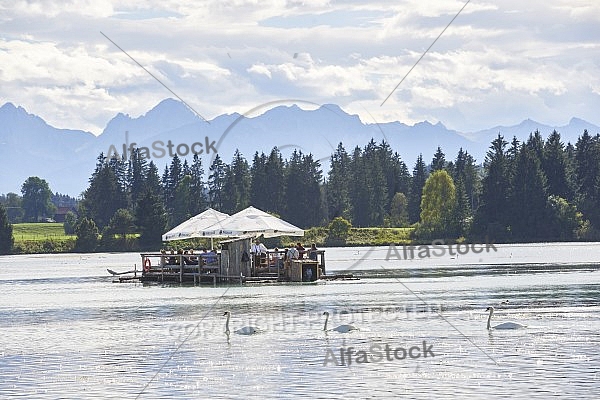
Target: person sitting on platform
x,y
293,253
301,250
189,260
211,257
276,260
192,258
259,252
163,257
172,259
312,254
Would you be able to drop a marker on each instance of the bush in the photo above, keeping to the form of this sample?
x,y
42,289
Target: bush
x,y
339,228
70,223
87,235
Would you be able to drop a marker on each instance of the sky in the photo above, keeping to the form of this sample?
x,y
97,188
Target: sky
x,y
498,63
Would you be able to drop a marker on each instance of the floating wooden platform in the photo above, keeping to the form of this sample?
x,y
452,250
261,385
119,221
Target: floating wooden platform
x,y
194,268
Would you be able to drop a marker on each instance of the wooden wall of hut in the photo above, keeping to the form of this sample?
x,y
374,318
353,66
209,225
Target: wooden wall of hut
x,y
231,257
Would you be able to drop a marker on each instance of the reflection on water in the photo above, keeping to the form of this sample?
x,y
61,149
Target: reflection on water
x,y
68,331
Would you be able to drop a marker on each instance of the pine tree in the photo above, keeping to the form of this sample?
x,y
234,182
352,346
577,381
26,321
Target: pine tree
x,y
359,190
554,164
528,201
275,171
236,190
6,233
338,184
377,184
197,187
303,191
87,235
491,218
587,167
136,177
259,186
416,190
103,197
151,219
439,160
216,183
184,202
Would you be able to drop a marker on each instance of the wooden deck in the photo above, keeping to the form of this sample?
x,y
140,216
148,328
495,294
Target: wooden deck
x,y
206,268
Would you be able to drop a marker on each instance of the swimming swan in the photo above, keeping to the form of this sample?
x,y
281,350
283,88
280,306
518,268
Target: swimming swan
x,y
341,328
504,325
246,330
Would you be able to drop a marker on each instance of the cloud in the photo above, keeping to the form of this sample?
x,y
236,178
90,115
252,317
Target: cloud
x,y
497,63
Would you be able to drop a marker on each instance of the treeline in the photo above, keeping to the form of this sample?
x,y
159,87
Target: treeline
x,y
531,191
536,190
131,196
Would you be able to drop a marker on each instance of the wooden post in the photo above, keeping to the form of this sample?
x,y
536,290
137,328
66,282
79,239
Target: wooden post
x,y
180,268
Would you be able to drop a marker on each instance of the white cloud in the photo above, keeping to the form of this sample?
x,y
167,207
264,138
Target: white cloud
x,y
226,56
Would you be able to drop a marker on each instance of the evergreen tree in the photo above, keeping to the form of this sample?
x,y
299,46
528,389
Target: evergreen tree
x,y
303,192
199,201
275,171
87,236
151,219
236,190
463,212
587,167
184,202
378,205
259,186
152,181
527,207
439,160
216,183
359,190
416,190
118,166
338,184
491,218
6,233
137,173
103,197
555,166
465,171
173,178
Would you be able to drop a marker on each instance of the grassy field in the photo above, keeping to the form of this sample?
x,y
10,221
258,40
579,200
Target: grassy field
x,y
39,231
48,237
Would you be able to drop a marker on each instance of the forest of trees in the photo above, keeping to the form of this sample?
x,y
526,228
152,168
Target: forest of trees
x,y
537,190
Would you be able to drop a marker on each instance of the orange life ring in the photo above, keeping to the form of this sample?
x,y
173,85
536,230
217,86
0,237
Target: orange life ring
x,y
147,265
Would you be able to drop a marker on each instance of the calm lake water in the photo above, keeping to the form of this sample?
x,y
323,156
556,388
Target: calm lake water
x,y
68,331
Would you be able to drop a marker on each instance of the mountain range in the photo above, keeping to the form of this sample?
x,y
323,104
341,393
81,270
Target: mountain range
x,y
66,158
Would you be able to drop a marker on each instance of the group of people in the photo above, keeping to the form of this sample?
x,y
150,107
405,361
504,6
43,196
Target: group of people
x,y
189,257
295,252
298,252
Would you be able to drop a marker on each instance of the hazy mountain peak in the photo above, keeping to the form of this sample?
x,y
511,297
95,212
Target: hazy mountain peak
x,y
66,161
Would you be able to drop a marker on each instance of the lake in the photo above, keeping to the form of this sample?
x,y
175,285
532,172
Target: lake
x,y
68,331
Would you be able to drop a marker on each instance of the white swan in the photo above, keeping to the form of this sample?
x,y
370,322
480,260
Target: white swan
x,y
246,330
341,328
504,325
